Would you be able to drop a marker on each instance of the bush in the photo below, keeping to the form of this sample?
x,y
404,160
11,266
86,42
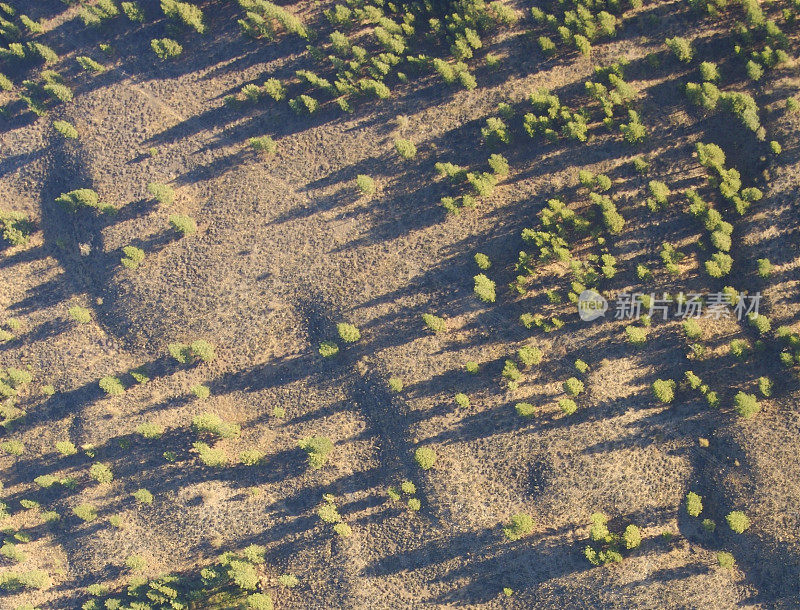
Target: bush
x,y
66,448
210,423
681,48
434,323
12,447
405,148
111,386
348,333
462,400
79,198
66,129
636,335
396,384
133,11
482,261
746,405
101,473
328,349
133,257
365,184
632,537
765,267
567,406
251,457
529,355
484,288
213,458
263,144
765,386
259,601
754,70
573,386
185,225
726,560
664,390
90,65
472,367
15,228
709,71
85,512
200,391
161,192
143,496
694,504
150,430
525,409
166,48
318,449
737,521
520,525
425,457
188,14
304,104
199,350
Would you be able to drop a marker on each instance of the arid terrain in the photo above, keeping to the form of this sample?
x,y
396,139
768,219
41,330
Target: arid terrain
x,y
250,359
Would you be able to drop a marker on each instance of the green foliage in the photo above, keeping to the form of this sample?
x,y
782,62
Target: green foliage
x,y
15,228
274,89
434,323
266,20
737,521
348,333
112,386
133,257
726,560
150,430
664,390
318,449
681,48
133,11
66,129
709,71
200,391
520,525
304,104
484,288
328,349
482,261
12,447
80,198
525,409
210,423
636,335
166,48
90,65
185,225
66,448
425,457
211,457
765,386
365,184
529,355
161,192
186,13
694,504
573,386
259,601
143,496
632,537
101,473
567,406
29,579
81,315
251,457
264,144
405,148
746,405
85,512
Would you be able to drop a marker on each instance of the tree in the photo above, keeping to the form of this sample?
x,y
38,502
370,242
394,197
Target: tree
x,y
694,504
681,48
348,333
425,457
521,524
664,390
738,521
318,450
746,405
484,288
166,48
405,148
185,225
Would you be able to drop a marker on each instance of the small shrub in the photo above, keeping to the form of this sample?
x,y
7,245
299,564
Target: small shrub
x,y
143,496
434,323
259,601
573,386
209,423
726,560
80,314
132,11
567,406
348,333
161,192
746,405
185,225
681,48
765,267
425,457
85,512
12,447
101,473
472,367
405,148
211,457
111,386
482,261
694,504
484,288
737,521
765,386
632,537
133,257
365,184
664,390
66,448
150,430
166,48
328,349
462,400
251,457
709,71
318,449
525,409
263,144
90,65
519,526
66,129
529,355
